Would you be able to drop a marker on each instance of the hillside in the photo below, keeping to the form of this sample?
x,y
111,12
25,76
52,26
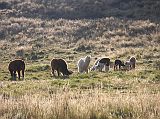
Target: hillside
x,y
25,33
78,9
39,30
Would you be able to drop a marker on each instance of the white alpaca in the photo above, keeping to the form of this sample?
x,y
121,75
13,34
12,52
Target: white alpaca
x,y
83,64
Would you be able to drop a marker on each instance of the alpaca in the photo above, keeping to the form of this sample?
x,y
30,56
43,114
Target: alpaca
x,y
118,64
127,65
133,62
83,64
16,65
60,66
100,64
130,64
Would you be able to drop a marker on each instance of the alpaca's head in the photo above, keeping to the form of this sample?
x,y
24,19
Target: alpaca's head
x,y
93,68
97,66
68,72
87,58
132,59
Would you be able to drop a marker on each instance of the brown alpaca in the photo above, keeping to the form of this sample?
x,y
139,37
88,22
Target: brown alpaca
x,y
133,62
117,64
60,66
16,65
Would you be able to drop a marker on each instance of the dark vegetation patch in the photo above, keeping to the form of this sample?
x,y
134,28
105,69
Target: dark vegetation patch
x,y
5,5
83,48
75,9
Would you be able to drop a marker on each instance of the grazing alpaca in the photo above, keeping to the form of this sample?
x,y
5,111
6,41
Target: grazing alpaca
x,y
100,64
117,64
16,65
133,62
127,65
60,66
130,64
83,64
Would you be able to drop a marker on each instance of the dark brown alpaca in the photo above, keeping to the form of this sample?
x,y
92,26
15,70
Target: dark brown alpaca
x,y
117,64
60,66
16,65
105,61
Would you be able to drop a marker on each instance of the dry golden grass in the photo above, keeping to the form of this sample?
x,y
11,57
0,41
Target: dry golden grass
x,y
64,103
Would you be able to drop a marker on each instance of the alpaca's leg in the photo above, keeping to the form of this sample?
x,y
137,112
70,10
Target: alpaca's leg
x,y
119,67
11,72
79,69
58,72
53,72
101,69
14,75
23,74
106,68
134,65
129,67
86,70
114,67
19,74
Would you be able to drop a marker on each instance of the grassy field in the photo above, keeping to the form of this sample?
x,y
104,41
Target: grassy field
x,y
37,38
111,95
97,95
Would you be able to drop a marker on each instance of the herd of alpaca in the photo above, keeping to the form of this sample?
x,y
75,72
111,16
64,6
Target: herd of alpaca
x,y
60,66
